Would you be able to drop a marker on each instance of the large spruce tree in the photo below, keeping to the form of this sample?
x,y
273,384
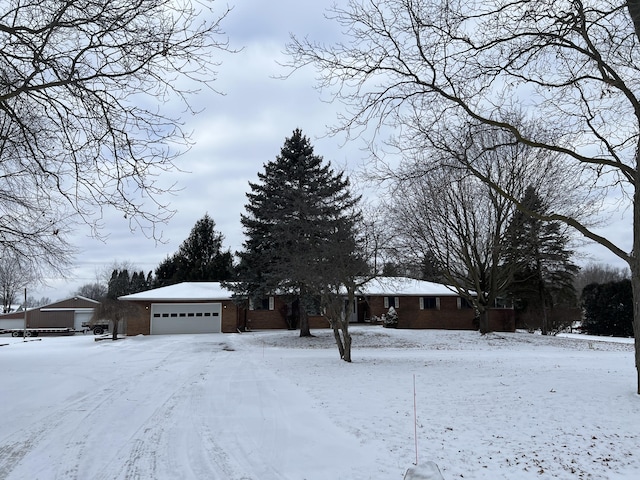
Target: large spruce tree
x,y
538,255
300,215
200,258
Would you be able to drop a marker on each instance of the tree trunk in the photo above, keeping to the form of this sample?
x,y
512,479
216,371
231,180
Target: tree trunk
x,y
114,335
336,335
304,322
483,323
346,336
634,11
635,286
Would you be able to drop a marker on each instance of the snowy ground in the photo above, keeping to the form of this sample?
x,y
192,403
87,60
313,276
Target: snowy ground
x,y
271,406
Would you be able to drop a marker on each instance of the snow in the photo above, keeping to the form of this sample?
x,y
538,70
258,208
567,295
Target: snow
x,y
192,291
185,291
398,286
271,405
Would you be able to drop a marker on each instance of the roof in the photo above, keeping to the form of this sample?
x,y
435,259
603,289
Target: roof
x,y
203,291
75,303
399,286
185,291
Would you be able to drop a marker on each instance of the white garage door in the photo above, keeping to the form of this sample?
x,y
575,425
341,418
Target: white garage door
x,y
82,316
185,318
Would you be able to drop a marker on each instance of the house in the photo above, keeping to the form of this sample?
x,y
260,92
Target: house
x,y
68,313
207,307
422,304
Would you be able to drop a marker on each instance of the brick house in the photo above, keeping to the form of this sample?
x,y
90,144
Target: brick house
x,y
421,304
207,307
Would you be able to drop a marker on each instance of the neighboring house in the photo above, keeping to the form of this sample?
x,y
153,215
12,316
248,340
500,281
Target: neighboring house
x,y
69,313
207,307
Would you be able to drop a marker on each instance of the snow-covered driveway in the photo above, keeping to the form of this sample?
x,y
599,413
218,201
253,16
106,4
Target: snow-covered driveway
x,y
165,407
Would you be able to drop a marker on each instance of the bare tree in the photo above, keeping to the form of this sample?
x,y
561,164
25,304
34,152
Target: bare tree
x,y
460,222
94,291
344,269
572,66
86,91
116,312
38,302
599,273
15,275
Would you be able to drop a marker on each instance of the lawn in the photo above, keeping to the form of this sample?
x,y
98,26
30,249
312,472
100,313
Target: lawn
x,y
271,406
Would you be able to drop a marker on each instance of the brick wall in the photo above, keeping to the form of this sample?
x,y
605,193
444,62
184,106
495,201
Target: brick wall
x,y
448,316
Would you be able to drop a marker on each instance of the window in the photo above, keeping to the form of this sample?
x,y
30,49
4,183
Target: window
x,y
266,303
315,306
463,303
429,303
391,302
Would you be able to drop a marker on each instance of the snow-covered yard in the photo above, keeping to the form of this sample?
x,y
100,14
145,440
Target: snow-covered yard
x,y
269,405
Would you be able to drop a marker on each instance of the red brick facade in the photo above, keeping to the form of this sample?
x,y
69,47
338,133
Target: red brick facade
x,y
438,310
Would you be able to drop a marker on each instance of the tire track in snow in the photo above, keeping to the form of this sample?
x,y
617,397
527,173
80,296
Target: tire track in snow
x,y
173,432
72,422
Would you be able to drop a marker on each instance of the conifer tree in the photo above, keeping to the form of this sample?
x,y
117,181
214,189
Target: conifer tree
x,y
538,256
608,308
300,214
199,258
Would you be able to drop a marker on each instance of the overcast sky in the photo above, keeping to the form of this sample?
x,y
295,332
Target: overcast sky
x,y
236,135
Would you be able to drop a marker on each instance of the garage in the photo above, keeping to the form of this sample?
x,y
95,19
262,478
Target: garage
x,y
171,318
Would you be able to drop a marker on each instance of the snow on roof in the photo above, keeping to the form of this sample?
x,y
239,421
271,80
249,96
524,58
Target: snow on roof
x,y
404,286
186,291
194,291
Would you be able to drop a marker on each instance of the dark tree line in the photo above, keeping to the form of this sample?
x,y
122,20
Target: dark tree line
x,y
608,308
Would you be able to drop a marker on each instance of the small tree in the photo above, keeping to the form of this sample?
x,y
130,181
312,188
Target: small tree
x,y
116,312
343,271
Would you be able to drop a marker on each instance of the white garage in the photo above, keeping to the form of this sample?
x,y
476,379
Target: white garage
x,y
170,318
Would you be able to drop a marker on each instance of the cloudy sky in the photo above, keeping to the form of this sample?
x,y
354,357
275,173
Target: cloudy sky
x,y
235,135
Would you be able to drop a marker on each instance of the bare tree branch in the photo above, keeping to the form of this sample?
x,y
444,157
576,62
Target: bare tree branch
x,y
87,88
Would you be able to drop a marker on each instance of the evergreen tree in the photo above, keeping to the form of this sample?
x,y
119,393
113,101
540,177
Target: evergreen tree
x,y
537,253
200,258
608,308
119,284
298,211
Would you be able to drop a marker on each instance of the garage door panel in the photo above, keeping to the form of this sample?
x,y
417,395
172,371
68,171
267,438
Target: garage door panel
x,y
186,318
